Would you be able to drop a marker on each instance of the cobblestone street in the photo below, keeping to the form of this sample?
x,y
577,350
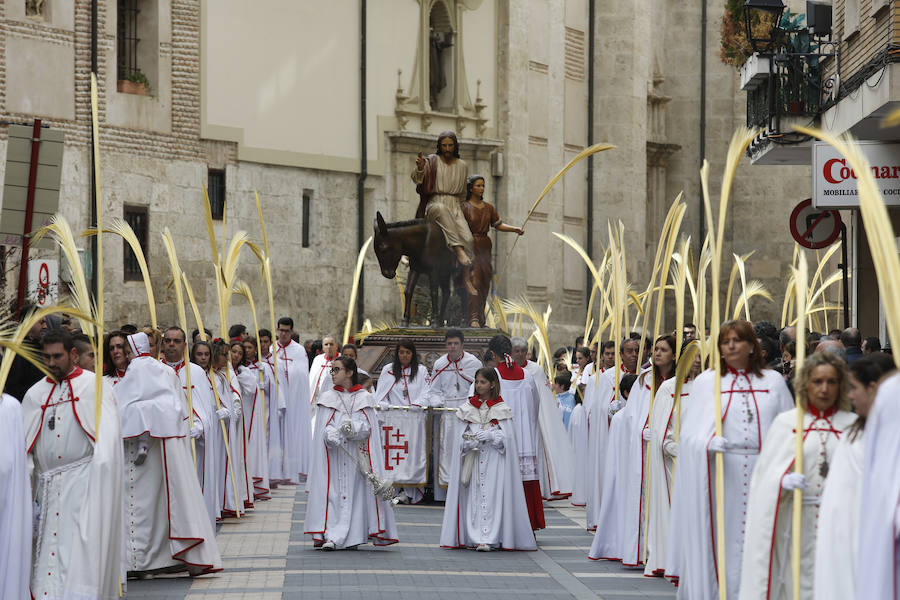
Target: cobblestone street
x,y
267,557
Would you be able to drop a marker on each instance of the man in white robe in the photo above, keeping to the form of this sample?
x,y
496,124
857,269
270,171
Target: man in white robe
x,y
556,460
292,368
206,421
452,374
168,527
76,470
15,518
320,371
878,566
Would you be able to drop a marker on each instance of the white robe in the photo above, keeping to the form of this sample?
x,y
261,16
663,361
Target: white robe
x,y
745,432
204,405
167,525
662,470
405,391
599,391
77,481
878,565
619,534
522,397
341,506
578,437
293,382
319,379
15,517
490,508
766,572
276,408
257,456
235,472
837,536
450,380
556,463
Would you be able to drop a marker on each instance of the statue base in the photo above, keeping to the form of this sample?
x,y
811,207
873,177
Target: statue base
x,y
377,350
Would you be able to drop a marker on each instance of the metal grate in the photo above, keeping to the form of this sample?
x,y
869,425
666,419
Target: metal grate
x,y
216,191
136,217
127,39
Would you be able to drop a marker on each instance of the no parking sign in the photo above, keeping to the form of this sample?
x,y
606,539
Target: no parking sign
x,y
43,281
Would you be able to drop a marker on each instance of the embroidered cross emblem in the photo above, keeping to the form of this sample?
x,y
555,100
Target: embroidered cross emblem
x,y
402,449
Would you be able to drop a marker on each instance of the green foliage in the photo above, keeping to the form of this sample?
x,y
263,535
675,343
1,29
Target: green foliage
x,y
138,77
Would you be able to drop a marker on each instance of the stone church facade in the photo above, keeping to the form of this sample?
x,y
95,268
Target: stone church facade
x,y
265,97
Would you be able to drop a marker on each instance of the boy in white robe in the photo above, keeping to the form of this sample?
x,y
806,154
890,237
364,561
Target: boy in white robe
x,y
168,528
76,472
485,506
342,510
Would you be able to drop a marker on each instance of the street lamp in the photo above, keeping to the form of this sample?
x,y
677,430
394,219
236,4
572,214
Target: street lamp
x,y
761,19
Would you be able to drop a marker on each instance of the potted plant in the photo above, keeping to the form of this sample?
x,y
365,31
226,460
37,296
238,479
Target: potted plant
x,y
134,83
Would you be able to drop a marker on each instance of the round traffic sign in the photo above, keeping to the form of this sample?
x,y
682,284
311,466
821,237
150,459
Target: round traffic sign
x,y
814,228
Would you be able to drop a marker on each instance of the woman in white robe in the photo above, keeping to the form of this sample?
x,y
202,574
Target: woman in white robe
x,y
751,399
404,382
201,355
15,518
766,573
257,456
342,510
662,449
837,543
485,507
227,388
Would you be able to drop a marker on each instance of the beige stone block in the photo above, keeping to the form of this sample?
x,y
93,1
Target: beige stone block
x,y
40,77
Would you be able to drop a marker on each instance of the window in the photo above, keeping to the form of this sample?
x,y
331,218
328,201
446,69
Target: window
x,y
136,217
304,240
127,39
216,191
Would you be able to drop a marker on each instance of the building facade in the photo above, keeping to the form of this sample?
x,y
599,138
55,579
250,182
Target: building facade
x,y
266,97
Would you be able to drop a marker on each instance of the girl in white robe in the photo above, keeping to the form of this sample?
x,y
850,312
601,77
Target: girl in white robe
x,y
257,456
837,543
485,507
342,510
662,450
214,442
821,387
235,475
578,436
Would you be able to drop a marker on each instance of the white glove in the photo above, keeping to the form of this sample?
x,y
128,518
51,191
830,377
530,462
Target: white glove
x,y
196,431
672,449
346,429
718,444
223,413
615,406
484,435
794,481
333,437
646,434
261,384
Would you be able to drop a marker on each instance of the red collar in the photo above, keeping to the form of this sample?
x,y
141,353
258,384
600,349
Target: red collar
x,y
736,372
510,372
75,372
355,388
476,401
816,414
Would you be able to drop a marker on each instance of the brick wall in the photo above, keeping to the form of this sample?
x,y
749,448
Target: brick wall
x,y
878,27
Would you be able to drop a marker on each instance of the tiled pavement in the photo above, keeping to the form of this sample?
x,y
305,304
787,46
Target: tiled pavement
x,y
267,557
